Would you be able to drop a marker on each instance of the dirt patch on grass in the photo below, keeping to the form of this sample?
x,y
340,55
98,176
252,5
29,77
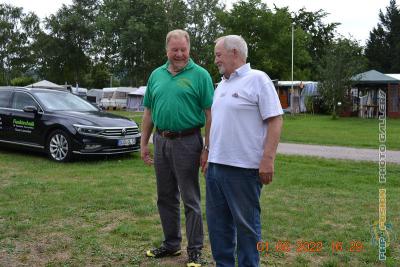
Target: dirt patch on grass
x,y
52,247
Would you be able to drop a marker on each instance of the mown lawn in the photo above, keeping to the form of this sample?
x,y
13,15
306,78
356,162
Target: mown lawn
x,y
354,132
103,212
322,130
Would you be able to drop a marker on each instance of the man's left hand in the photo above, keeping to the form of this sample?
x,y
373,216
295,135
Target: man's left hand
x,y
266,170
203,161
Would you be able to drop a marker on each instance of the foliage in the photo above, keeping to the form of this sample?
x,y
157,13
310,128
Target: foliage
x,y
319,34
64,50
204,29
99,76
383,45
22,81
131,34
343,60
268,35
17,29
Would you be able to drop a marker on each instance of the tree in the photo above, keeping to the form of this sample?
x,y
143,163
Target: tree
x,y
131,33
22,81
320,34
204,29
268,35
17,30
343,60
383,45
64,51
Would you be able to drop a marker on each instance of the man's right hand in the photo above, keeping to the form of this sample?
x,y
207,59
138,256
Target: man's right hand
x,y
145,155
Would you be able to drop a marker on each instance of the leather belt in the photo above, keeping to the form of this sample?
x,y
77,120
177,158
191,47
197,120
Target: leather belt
x,y
172,135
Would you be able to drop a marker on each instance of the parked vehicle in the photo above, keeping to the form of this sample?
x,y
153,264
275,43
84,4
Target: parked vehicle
x,y
62,124
120,97
106,99
116,97
94,96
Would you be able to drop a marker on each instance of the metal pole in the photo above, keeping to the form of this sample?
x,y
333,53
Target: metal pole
x,y
292,91
292,52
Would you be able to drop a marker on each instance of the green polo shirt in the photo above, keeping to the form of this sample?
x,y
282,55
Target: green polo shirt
x,y
177,102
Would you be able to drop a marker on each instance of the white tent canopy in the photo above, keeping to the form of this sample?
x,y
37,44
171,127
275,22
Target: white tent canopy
x,y
45,84
140,91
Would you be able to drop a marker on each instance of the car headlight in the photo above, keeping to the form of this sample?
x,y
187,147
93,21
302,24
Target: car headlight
x,y
87,130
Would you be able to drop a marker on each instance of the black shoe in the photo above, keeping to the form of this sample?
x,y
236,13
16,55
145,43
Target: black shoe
x,y
162,252
194,259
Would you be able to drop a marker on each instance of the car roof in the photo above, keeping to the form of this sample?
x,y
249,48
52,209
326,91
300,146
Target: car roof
x,y
32,89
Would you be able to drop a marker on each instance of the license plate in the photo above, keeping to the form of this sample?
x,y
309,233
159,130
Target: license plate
x,y
126,142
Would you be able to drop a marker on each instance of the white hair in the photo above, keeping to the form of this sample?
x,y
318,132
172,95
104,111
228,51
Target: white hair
x,y
235,42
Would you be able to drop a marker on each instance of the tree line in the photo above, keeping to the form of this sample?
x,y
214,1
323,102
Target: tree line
x,y
96,43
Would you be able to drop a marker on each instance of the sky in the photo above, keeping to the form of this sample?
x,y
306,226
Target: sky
x,y
357,17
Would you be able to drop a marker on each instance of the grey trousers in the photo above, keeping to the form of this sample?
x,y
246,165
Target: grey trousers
x,y
176,163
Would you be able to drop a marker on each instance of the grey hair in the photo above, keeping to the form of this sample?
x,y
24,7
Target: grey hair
x,y
177,34
235,42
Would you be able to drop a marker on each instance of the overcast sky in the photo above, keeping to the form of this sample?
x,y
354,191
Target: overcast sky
x,y
357,17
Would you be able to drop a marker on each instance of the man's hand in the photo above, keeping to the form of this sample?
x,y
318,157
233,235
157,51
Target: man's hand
x,y
266,170
203,161
145,155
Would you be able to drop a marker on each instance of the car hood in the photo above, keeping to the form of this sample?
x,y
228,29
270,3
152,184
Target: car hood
x,y
96,118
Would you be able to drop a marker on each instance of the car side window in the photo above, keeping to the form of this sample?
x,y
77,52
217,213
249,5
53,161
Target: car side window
x,y
22,100
4,98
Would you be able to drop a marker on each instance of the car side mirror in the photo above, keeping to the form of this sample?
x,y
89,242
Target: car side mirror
x,y
31,109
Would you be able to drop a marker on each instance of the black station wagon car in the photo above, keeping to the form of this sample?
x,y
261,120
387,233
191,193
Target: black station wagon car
x,y
62,124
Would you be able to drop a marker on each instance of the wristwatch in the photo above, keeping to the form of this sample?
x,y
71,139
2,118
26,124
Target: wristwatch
x,y
206,148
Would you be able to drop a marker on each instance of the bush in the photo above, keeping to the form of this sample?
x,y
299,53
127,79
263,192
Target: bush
x,y
22,81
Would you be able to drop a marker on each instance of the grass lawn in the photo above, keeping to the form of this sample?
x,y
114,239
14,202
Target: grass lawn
x,y
103,212
322,130
355,132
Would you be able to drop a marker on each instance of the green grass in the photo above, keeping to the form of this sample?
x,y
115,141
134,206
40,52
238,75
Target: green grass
x,y
322,130
354,132
103,212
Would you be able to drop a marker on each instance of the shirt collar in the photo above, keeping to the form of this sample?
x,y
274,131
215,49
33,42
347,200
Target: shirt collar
x,y
188,66
239,71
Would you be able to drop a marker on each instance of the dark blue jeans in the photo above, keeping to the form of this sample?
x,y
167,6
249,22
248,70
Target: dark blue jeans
x,y
233,214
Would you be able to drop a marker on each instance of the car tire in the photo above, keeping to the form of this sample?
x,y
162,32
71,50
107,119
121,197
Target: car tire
x,y
59,146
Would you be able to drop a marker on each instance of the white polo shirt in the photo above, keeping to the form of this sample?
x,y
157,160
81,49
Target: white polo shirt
x,y
239,111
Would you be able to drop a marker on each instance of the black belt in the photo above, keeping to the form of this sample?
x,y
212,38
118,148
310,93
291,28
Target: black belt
x,y
172,135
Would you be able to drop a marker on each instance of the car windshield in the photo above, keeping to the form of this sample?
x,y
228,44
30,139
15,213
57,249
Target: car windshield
x,y
56,101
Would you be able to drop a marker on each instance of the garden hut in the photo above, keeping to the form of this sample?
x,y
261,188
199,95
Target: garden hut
x,y
365,90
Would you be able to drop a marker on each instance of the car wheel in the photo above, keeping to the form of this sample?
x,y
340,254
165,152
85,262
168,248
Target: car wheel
x,y
59,146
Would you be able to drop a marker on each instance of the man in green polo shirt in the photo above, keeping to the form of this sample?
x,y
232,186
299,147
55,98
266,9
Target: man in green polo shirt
x,y
177,103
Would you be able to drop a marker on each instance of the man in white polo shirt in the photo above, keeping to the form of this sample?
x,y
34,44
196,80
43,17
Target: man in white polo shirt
x,y
245,131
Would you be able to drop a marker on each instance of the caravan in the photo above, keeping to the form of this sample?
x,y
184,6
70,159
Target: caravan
x,y
115,97
106,98
120,97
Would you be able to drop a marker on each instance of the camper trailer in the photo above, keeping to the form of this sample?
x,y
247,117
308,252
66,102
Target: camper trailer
x,y
107,96
79,91
94,96
120,97
116,97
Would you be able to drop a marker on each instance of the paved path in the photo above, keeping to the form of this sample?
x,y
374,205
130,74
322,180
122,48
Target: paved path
x,y
337,152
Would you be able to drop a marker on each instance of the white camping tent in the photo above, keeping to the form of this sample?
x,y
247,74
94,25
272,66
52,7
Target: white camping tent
x,y
135,99
46,84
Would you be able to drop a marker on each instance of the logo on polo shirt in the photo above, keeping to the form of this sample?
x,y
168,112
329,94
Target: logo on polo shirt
x,y
184,82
